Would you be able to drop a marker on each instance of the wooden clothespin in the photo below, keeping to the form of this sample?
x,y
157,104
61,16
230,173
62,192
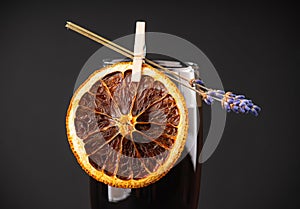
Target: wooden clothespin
x,y
139,51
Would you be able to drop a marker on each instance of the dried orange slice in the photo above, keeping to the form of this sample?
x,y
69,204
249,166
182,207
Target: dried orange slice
x,y
123,133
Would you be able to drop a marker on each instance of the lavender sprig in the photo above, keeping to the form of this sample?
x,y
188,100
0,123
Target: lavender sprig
x,y
229,101
239,104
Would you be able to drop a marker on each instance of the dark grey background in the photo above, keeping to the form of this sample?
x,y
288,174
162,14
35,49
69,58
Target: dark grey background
x,y
253,46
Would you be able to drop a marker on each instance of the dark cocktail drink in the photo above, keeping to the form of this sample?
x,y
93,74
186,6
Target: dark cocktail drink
x,y
181,186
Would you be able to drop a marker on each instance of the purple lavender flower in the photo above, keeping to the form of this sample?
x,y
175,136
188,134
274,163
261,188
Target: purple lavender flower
x,y
239,96
254,112
229,101
235,109
208,99
199,81
239,104
257,108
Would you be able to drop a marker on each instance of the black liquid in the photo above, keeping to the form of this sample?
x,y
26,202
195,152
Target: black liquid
x,y
178,189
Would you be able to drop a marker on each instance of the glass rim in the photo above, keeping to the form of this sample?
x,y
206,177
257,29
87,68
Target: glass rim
x,y
170,64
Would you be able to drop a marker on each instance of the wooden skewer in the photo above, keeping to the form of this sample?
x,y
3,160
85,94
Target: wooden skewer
x,y
99,39
130,54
